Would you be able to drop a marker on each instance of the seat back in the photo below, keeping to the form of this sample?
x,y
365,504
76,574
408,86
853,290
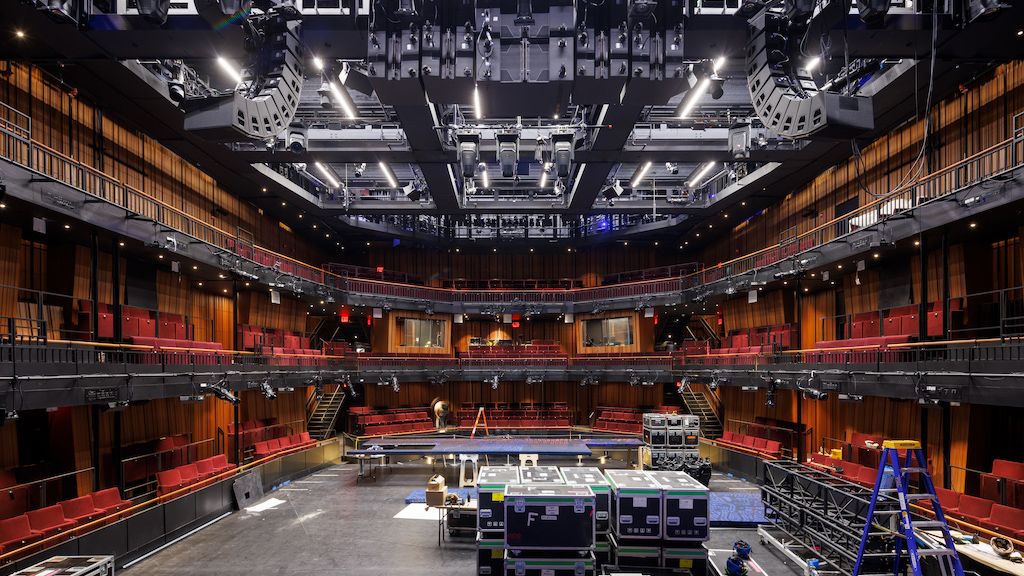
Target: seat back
x,y
78,507
220,461
304,436
1007,517
974,506
948,498
48,517
106,498
188,472
204,467
168,477
1008,469
15,528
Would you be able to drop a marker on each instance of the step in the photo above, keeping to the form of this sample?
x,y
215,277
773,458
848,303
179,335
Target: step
x,y
913,469
916,497
925,524
936,552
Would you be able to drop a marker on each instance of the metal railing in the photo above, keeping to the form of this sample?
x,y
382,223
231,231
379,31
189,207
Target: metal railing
x,y
16,145
35,494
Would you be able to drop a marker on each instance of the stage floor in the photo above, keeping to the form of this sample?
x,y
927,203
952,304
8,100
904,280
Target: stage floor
x,y
327,523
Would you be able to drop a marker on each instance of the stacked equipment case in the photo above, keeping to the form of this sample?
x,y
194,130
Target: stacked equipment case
x,y
491,484
549,530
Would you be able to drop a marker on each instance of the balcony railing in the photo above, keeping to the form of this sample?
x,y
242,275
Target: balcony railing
x,y
17,146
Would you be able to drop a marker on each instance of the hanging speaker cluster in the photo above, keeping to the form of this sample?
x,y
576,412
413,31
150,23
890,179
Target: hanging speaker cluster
x,y
785,95
263,105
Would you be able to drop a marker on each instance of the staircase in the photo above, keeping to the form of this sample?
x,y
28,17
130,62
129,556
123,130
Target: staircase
x,y
697,404
322,419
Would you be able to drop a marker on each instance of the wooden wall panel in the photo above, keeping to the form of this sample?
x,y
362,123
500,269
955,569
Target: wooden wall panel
x,y
528,330
815,310
769,310
387,335
11,260
8,445
255,308
643,333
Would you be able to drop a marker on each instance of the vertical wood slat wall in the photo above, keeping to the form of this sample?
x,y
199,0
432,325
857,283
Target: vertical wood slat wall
x,y
962,124
68,124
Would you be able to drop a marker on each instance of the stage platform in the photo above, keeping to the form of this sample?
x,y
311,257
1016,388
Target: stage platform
x,y
493,446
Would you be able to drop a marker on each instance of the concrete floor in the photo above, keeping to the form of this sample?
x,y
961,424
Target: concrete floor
x,y
330,524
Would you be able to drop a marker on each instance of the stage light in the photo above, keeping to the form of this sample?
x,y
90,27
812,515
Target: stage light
x,y
327,174
672,168
469,152
318,63
343,100
493,380
812,63
478,110
695,181
544,174
719,62
814,394
220,390
563,143
485,180
268,390
19,34
392,182
395,385
508,152
229,69
639,176
692,97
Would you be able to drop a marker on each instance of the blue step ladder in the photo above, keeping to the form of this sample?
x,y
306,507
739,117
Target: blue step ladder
x,y
907,536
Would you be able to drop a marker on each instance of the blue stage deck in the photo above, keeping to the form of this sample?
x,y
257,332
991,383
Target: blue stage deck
x,y
493,446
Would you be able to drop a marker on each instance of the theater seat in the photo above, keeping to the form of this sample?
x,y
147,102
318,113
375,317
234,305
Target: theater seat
x,y
189,474
80,510
50,521
263,449
16,533
1000,484
168,481
1006,520
948,499
974,510
220,464
109,501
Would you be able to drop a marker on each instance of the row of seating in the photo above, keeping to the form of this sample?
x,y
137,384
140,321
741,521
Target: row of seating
x,y
740,355
612,426
780,336
134,322
612,419
36,525
188,474
904,320
279,356
1005,483
876,350
764,447
392,417
170,351
538,350
337,348
999,518
424,425
257,337
492,406
277,445
782,251
252,431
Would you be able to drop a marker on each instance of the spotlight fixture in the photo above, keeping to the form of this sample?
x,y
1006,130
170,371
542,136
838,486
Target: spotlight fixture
x,y
544,175
672,168
563,143
469,152
814,393
359,169
508,152
268,390
614,191
395,385
493,381
220,390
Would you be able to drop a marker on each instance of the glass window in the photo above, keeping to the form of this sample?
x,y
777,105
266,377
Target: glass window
x,y
608,332
419,333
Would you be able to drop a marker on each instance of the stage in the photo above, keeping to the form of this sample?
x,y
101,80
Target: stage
x,y
492,446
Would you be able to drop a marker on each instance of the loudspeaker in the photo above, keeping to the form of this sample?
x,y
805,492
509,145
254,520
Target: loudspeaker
x,y
872,11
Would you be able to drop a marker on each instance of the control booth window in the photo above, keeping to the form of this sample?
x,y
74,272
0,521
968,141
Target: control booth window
x,y
418,333
608,332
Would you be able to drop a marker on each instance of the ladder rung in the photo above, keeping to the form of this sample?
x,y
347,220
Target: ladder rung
x,y
928,524
912,469
936,552
914,497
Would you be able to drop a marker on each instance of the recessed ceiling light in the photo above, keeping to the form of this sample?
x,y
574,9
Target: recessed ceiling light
x,y
161,256
284,203
1020,32
300,217
67,226
917,242
225,290
120,243
876,255
200,284
840,266
246,283
973,225
21,33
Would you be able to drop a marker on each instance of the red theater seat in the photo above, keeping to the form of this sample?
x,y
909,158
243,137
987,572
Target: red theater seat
x,y
973,509
1001,482
168,481
263,449
80,510
189,474
1006,520
16,533
948,499
50,521
109,501
773,448
219,463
